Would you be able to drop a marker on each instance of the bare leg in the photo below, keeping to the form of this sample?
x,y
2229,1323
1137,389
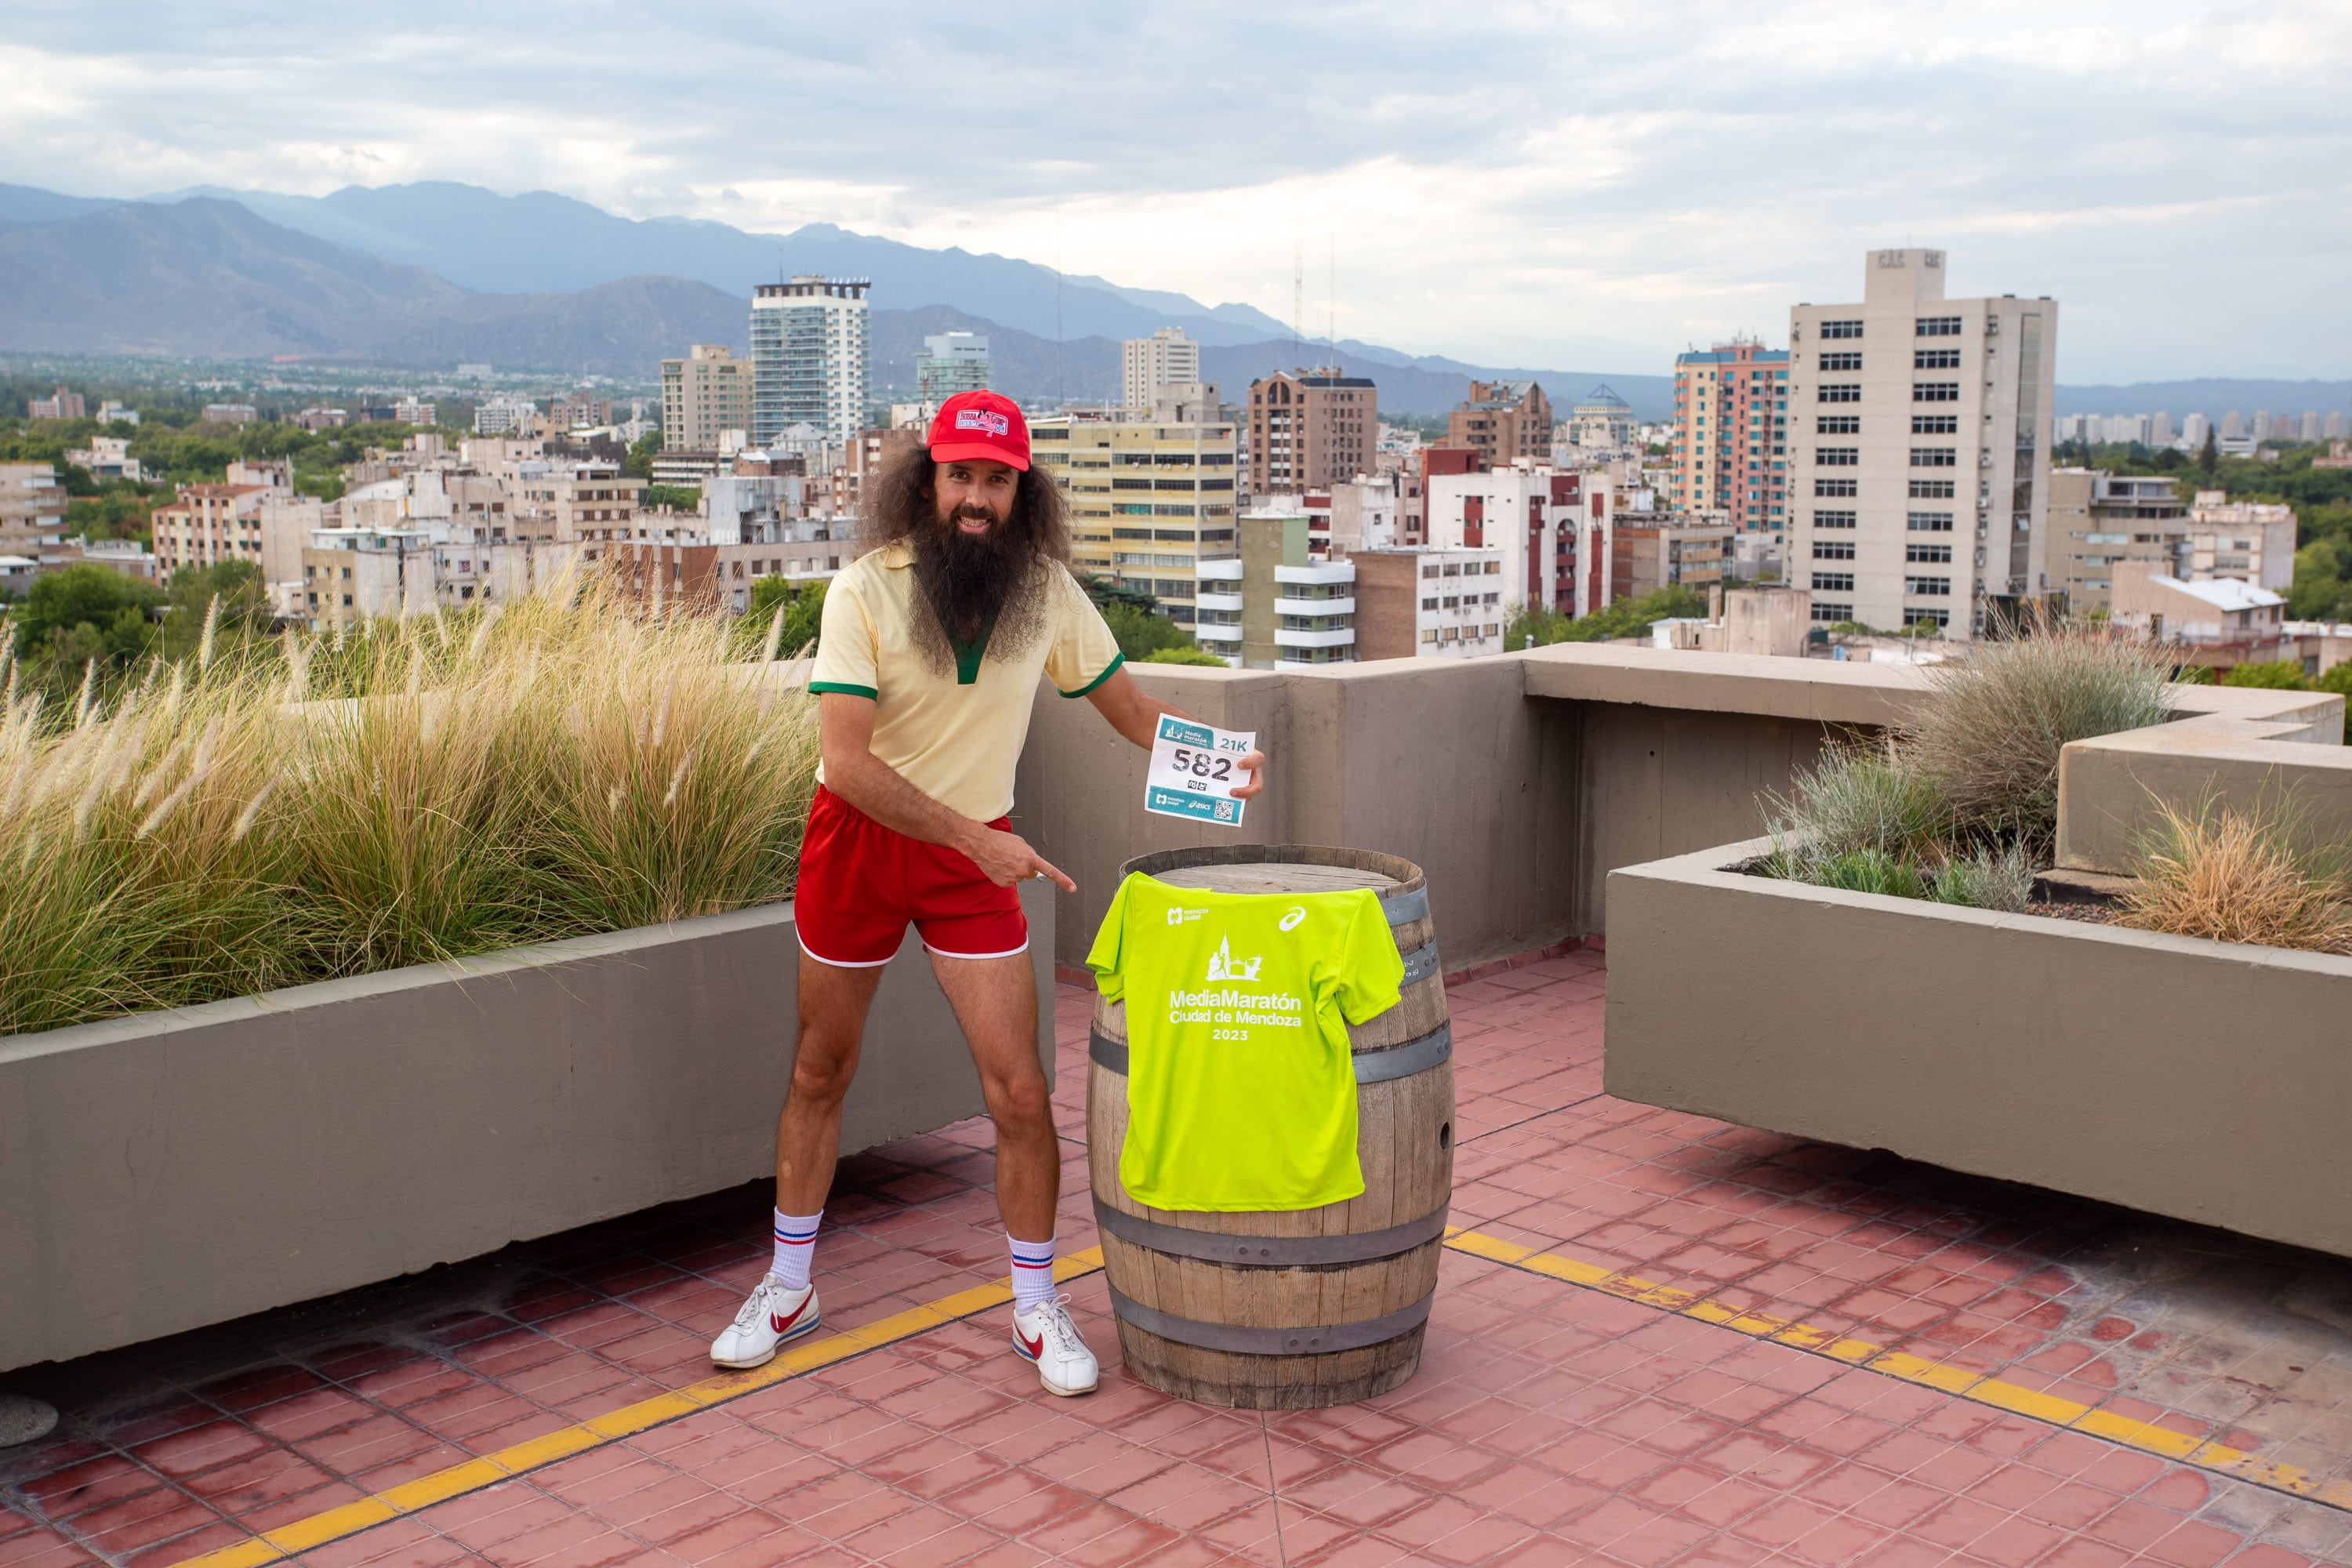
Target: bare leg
x,y
995,1001
834,1002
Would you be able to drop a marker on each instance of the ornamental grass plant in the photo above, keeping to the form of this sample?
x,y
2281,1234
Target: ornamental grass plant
x,y
2234,875
335,803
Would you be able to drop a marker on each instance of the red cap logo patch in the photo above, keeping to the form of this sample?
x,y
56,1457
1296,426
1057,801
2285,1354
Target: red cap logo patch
x,y
975,425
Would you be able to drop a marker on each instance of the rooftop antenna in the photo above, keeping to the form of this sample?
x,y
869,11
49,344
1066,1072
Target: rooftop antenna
x,y
1297,294
1061,395
1331,302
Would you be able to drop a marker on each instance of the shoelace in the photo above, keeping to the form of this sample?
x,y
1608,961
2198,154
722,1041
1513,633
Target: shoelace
x,y
1064,1329
756,1304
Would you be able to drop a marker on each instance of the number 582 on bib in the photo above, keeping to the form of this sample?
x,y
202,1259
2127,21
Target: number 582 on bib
x,y
1195,769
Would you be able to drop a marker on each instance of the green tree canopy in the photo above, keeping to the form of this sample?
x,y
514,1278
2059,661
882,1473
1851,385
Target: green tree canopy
x,y
1199,656
246,611
86,611
803,613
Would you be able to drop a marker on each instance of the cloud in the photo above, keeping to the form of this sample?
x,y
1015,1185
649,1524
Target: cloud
x,y
1529,183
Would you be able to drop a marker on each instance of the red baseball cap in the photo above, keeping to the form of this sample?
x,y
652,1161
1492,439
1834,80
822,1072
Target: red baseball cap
x,y
979,425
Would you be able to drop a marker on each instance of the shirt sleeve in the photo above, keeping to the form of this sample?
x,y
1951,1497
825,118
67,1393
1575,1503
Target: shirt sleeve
x,y
1370,968
1084,653
1107,957
847,650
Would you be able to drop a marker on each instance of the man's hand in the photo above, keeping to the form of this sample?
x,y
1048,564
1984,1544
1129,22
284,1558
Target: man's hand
x,y
1004,858
1253,764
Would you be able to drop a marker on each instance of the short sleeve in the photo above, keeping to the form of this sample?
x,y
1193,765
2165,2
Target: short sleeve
x,y
1084,653
1369,969
847,650
1107,956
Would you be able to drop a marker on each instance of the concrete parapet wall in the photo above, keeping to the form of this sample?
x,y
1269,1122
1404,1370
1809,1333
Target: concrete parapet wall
x,y
2194,1078
168,1171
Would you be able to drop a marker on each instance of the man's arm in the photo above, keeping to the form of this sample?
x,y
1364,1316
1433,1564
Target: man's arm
x,y
1135,713
852,771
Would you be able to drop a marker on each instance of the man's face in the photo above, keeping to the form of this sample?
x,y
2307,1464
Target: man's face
x,y
974,494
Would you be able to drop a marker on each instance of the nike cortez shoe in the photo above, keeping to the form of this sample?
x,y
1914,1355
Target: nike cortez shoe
x,y
773,1315
1046,1334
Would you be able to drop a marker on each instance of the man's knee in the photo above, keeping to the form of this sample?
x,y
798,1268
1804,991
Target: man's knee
x,y
1020,1100
823,1068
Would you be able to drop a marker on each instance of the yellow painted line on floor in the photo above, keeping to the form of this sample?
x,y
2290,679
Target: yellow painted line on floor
x,y
536,1453
2126,1431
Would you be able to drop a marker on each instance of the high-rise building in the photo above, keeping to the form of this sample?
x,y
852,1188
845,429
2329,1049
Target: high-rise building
x,y
704,396
2233,424
32,508
1310,430
61,404
1731,434
1151,492
2099,520
1503,421
2194,428
2308,428
1274,603
1919,458
1554,527
951,362
810,359
1146,364
1601,422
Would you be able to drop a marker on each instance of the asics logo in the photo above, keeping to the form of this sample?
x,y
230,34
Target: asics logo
x,y
1290,920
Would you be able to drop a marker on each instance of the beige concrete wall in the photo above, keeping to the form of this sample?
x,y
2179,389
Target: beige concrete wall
x,y
168,1171
2112,791
2186,1078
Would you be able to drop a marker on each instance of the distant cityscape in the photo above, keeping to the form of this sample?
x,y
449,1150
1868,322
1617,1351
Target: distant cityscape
x,y
1895,469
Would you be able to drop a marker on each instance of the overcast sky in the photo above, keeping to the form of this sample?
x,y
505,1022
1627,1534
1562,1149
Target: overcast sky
x,y
1546,185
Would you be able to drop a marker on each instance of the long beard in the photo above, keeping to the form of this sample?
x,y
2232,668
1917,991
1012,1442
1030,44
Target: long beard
x,y
991,585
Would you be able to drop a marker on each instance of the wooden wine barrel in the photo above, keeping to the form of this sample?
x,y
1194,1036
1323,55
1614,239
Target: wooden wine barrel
x,y
1292,1309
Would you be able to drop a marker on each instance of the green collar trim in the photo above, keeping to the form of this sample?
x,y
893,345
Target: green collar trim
x,y
968,655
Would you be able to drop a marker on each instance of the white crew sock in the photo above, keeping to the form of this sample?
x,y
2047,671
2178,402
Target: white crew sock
x,y
1032,1272
795,1240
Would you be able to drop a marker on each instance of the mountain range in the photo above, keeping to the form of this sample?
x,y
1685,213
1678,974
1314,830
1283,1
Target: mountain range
x,y
430,274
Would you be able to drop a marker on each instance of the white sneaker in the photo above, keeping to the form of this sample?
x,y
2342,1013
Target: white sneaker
x,y
773,1315
1046,1334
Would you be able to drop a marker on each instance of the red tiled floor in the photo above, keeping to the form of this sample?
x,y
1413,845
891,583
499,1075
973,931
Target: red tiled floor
x,y
1547,1425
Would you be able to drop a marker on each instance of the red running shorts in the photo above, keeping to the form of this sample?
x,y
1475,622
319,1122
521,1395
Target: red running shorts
x,y
861,882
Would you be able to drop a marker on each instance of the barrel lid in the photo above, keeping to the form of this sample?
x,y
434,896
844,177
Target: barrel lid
x,y
1291,869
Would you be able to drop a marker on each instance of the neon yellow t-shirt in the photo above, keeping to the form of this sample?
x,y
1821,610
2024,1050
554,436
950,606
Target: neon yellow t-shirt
x,y
1240,1091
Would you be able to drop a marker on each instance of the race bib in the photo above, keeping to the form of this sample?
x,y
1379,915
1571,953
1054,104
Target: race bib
x,y
1195,769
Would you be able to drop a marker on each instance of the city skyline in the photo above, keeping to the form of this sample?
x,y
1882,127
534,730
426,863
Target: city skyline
x,y
1718,166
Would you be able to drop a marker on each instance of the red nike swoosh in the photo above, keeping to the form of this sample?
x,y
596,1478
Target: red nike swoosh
x,y
1036,1347
780,1325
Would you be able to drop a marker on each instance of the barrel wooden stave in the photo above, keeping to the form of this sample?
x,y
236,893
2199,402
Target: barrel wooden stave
x,y
1405,1149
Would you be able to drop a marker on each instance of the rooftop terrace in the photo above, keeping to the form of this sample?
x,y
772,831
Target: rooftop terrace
x,y
1643,1350
1658,1338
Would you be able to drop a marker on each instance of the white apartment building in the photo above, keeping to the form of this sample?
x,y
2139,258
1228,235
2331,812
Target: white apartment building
x,y
1919,433
1146,364
810,359
1150,498
1429,603
2253,541
1555,527
1274,603
704,396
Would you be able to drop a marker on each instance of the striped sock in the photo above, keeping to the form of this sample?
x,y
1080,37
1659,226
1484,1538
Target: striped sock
x,y
1033,1273
796,1239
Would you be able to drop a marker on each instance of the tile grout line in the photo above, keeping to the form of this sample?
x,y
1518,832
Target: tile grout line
x,y
485,1470
2049,1410
1273,1488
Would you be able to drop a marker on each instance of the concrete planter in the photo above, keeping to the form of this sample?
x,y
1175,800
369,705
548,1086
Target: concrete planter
x,y
2203,1080
168,1171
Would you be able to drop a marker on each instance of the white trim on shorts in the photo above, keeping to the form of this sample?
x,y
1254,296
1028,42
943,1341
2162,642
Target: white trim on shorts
x,y
839,963
1008,952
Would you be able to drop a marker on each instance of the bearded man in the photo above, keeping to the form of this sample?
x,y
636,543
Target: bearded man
x,y
927,660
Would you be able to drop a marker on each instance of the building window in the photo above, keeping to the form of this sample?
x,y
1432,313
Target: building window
x,y
1927,554
1935,392
1930,522
1935,424
1846,361
1833,520
1429,633
1939,619
1931,489
1935,458
1838,457
1835,487
1939,326
1841,329
1935,359
1833,613
1833,582
1932,587
1838,424
1841,392
1832,549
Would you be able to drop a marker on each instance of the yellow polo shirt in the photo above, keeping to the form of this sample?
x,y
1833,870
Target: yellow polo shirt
x,y
955,734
